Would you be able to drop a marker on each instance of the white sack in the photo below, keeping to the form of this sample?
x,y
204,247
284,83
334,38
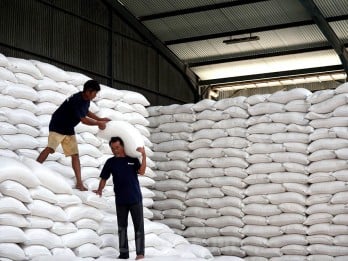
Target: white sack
x,y
8,101
7,128
88,250
82,236
330,104
297,106
267,128
52,71
44,194
75,213
21,141
16,190
42,237
130,135
50,96
17,116
13,169
48,177
173,127
289,118
20,91
43,209
229,142
198,124
172,145
330,122
131,97
287,96
107,92
266,108
205,104
229,102
36,251
7,75
10,234
12,252
231,123
23,66
12,219
320,96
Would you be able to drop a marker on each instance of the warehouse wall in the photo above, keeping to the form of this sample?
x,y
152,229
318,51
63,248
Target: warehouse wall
x,y
85,36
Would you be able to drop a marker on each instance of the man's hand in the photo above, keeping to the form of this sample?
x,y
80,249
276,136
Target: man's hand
x,y
98,192
101,125
142,151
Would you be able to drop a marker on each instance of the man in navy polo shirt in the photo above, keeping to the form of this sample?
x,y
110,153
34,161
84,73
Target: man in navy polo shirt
x,y
125,170
62,124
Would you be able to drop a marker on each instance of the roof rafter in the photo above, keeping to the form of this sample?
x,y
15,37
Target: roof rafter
x,y
327,31
251,30
196,9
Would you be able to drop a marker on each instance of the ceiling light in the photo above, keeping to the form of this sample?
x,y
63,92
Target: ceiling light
x,y
241,40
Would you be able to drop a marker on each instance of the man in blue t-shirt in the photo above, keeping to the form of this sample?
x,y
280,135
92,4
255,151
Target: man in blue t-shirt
x,y
125,170
62,124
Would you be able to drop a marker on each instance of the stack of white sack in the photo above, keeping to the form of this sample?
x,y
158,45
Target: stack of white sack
x,y
31,91
216,167
278,162
275,202
327,209
42,216
40,212
171,133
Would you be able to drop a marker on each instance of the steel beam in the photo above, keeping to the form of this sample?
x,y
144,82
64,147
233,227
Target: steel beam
x,y
197,9
327,31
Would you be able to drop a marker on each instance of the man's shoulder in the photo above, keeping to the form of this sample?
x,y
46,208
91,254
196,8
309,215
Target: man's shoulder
x,y
110,159
76,96
131,158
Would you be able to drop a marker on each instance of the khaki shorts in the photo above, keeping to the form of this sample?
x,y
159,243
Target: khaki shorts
x,y
68,142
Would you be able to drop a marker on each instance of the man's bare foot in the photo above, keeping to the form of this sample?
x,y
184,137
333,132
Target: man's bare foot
x,y
81,187
139,257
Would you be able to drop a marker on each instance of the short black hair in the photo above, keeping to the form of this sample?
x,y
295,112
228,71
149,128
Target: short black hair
x,y
116,139
91,85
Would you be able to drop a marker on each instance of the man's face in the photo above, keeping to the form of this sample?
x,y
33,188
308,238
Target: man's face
x,y
117,148
90,95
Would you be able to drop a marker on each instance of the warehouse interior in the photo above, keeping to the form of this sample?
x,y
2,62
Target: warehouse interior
x,y
241,107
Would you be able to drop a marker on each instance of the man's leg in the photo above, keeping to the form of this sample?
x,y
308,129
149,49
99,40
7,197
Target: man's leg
x,y
54,139
122,223
75,162
138,221
44,154
69,145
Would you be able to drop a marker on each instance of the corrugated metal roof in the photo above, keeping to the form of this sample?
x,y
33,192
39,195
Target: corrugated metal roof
x,y
332,7
283,26
227,19
141,8
277,40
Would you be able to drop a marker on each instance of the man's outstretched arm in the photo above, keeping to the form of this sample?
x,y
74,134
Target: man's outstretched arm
x,y
101,186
